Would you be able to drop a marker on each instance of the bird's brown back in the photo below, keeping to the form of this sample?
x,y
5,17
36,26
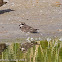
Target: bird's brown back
x,y
27,28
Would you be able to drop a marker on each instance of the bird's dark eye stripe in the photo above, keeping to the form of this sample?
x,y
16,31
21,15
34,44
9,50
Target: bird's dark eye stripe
x,y
22,24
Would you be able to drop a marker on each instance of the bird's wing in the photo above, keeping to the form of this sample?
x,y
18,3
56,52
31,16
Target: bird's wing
x,y
27,27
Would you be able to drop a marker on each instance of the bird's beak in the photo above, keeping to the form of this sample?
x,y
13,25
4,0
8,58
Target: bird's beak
x,y
19,25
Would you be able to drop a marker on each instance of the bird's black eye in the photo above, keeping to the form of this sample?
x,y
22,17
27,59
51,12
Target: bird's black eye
x,y
22,24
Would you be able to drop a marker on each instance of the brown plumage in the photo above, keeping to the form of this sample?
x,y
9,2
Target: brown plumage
x,y
2,3
26,28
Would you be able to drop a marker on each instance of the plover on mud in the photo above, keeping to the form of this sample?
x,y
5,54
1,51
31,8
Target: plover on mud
x,y
26,28
2,3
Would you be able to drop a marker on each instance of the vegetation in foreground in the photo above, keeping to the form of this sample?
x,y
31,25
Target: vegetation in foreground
x,y
44,51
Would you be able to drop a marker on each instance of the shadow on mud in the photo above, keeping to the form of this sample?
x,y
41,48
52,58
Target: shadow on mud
x,y
4,11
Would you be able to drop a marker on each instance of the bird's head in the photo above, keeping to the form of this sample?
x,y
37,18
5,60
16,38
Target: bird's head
x,y
22,24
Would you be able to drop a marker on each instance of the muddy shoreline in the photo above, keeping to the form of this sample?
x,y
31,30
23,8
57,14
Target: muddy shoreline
x,y
43,15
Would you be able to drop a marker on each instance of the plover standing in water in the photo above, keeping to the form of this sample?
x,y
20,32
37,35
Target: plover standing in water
x,y
26,28
2,2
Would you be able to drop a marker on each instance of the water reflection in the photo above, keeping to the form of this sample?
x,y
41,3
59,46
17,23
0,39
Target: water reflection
x,y
32,51
2,47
